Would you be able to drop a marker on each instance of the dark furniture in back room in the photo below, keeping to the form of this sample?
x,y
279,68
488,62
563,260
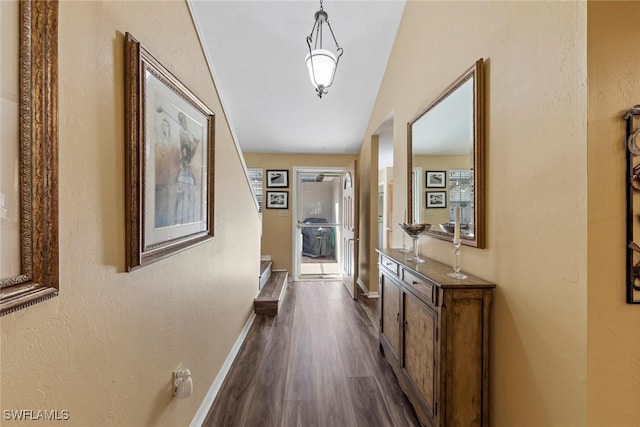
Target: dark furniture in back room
x,y
317,241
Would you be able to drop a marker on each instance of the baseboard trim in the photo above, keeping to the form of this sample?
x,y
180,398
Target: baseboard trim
x,y
365,291
265,258
362,287
206,404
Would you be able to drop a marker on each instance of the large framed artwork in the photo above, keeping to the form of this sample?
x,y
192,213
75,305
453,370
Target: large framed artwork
x,y
169,161
28,153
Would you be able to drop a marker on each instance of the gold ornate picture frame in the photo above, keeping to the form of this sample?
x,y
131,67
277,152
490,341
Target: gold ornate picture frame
x,y
29,182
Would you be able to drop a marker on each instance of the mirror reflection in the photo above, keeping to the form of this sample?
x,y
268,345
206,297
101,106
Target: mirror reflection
x,y
445,153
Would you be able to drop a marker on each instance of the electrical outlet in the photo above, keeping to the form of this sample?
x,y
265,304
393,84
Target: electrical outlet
x,y
182,383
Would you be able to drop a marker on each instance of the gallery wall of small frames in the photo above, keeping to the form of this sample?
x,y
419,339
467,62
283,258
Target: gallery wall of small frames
x,y
277,178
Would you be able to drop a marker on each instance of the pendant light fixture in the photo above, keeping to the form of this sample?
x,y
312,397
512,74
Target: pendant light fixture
x,y
321,62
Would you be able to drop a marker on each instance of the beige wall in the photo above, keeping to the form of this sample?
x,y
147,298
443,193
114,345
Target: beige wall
x,y
385,179
106,348
368,222
276,223
536,252
614,86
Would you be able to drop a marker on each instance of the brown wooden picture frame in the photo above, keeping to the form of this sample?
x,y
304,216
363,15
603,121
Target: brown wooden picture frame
x,y
169,181
38,158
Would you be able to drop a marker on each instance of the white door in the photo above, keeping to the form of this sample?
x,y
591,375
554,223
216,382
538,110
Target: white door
x,y
350,229
317,211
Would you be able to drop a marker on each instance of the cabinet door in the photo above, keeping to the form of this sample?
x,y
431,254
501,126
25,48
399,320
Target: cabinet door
x,y
419,360
391,313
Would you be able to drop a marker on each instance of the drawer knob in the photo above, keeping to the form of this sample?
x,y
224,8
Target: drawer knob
x,y
414,283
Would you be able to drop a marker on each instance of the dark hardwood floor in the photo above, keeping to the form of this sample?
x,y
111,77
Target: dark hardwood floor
x,y
317,363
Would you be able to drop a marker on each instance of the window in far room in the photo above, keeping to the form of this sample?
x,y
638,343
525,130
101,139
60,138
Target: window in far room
x,y
255,177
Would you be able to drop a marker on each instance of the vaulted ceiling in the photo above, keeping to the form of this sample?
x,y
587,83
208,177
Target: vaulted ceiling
x,y
256,50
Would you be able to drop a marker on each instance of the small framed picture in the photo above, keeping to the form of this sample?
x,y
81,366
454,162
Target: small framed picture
x,y
277,200
436,199
278,178
436,179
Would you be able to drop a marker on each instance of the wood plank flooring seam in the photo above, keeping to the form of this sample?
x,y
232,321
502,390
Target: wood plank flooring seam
x,y
233,383
308,367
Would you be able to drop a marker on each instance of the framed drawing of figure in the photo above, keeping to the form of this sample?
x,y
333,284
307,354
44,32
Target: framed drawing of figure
x,y
169,161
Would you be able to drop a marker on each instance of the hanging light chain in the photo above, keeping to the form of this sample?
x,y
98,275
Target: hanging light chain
x,y
318,34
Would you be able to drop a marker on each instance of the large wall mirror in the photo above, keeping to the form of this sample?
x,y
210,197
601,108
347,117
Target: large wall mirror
x,y
446,160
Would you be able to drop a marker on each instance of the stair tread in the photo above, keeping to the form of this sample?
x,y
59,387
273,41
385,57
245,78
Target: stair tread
x,y
270,297
273,288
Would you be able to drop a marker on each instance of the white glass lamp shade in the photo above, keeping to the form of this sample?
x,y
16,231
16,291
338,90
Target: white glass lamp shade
x,y
321,64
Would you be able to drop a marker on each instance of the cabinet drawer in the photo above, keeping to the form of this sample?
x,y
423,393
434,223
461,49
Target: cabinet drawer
x,y
390,264
419,286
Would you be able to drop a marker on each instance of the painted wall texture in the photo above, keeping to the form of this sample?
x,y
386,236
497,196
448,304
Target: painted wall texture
x,y
106,348
536,253
613,87
277,238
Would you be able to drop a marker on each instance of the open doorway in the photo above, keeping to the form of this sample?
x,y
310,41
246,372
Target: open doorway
x,y
385,183
317,209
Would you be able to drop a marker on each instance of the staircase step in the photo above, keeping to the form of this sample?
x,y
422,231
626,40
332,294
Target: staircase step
x,y
271,296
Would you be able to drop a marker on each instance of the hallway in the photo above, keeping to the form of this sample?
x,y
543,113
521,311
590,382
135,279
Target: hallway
x,y
316,364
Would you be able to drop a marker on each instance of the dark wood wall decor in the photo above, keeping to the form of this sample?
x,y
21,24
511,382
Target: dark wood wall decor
x,y
633,205
169,159
434,332
38,142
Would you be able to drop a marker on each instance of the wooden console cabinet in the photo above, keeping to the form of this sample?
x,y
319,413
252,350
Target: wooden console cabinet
x,y
434,332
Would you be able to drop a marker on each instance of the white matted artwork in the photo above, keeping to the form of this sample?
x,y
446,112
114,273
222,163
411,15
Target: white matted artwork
x,y
436,199
277,200
277,178
170,146
436,179
176,169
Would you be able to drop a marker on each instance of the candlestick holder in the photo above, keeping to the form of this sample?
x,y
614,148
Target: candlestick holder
x,y
456,268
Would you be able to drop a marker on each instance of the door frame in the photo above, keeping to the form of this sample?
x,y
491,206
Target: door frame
x,y
295,253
